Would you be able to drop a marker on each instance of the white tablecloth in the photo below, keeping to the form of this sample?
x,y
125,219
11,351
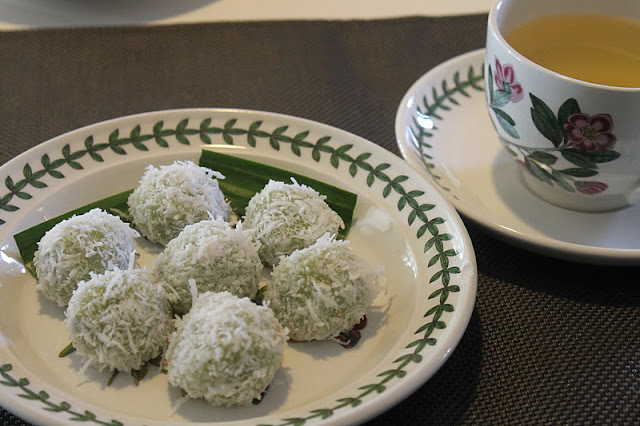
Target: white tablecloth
x,y
21,14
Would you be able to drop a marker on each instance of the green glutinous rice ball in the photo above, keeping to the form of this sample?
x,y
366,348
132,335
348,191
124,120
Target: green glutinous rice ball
x,y
92,242
216,256
287,217
119,320
170,197
322,290
226,349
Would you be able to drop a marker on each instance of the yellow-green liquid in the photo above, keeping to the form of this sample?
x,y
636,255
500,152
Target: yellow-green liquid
x,y
595,48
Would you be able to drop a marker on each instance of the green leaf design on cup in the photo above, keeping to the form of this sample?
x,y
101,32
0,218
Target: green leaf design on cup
x,y
506,122
582,140
546,122
503,88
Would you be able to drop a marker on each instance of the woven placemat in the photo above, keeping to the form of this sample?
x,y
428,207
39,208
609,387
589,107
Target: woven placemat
x,y
549,342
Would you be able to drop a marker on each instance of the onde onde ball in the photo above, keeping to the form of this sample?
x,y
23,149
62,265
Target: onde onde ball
x,y
119,320
322,290
287,217
215,255
170,197
92,242
226,350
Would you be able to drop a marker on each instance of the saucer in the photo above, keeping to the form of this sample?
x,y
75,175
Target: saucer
x,y
443,129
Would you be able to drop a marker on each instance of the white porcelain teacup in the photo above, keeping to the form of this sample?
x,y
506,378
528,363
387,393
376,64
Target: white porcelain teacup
x,y
578,142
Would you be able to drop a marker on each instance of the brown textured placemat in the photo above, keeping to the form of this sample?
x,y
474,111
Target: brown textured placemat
x,y
549,342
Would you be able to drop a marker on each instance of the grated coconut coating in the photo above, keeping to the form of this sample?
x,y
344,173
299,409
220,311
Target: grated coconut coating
x,y
320,291
170,197
226,350
215,255
92,242
287,217
119,320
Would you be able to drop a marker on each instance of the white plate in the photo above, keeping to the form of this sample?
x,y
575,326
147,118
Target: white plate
x,y
413,327
443,129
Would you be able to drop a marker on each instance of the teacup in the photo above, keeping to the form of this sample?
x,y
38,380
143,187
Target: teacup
x,y
578,142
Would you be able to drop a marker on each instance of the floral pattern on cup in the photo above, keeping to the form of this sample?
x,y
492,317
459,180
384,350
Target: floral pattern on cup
x,y
590,133
583,141
580,142
505,79
503,88
591,187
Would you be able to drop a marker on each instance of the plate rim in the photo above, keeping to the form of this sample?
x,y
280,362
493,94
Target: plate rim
x,y
372,406
538,243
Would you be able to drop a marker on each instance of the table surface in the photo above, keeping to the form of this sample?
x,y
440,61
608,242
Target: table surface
x,y
549,341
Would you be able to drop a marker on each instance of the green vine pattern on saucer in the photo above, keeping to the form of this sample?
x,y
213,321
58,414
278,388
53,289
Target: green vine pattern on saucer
x,y
408,201
424,117
581,140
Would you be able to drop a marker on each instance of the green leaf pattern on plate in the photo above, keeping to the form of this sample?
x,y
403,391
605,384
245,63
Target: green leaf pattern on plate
x,y
410,201
43,397
425,116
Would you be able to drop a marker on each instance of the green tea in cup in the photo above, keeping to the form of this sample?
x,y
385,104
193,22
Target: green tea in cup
x,y
590,47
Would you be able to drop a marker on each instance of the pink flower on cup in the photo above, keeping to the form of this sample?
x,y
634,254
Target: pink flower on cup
x,y
507,76
590,133
591,188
